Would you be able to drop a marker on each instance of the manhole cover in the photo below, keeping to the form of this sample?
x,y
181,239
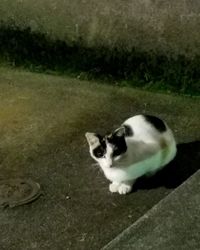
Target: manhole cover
x,y
15,192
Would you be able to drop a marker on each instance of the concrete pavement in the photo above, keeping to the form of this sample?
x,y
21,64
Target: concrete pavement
x,y
174,223
43,120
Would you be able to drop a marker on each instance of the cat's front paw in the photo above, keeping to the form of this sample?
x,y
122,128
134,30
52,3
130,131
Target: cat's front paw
x,y
113,187
124,188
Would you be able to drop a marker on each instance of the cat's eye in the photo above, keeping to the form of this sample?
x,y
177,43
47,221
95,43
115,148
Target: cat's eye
x,y
115,151
99,152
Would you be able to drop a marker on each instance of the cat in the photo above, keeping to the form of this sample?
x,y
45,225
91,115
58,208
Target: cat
x,y
142,145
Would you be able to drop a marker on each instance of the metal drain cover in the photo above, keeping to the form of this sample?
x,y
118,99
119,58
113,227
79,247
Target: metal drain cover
x,y
15,192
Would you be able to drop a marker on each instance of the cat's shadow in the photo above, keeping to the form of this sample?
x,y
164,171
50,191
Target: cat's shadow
x,y
186,162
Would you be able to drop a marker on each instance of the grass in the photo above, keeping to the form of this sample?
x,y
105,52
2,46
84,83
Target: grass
x,y
36,52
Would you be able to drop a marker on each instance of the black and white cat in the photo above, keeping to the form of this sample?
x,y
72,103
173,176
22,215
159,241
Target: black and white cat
x,y
142,145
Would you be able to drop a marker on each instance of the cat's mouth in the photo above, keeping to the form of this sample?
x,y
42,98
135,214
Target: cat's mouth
x,y
104,165
108,166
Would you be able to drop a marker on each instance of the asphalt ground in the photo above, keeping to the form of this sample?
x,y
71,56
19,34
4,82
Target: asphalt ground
x,y
43,119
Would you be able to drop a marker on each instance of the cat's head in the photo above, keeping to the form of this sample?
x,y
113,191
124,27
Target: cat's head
x,y
105,150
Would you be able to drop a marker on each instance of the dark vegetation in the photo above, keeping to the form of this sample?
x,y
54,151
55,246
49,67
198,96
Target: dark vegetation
x,y
37,52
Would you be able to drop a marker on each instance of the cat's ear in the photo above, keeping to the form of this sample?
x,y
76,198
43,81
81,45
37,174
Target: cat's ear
x,y
120,131
91,138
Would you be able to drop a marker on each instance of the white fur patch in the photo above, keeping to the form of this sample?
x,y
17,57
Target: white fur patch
x,y
148,151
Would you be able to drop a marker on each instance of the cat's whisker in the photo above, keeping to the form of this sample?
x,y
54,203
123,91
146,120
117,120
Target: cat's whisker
x,y
95,164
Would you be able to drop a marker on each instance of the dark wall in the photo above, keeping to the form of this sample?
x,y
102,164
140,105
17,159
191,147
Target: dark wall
x,y
164,26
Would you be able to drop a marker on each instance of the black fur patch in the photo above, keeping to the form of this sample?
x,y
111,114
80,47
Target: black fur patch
x,y
101,140
101,149
119,144
128,130
156,122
